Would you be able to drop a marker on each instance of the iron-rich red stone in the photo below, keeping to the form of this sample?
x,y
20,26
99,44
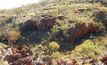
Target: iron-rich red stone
x,y
80,30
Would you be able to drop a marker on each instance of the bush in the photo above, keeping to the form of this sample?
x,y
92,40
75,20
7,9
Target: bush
x,y
88,48
54,45
13,36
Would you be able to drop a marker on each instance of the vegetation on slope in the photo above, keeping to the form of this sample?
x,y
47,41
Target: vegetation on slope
x,y
58,30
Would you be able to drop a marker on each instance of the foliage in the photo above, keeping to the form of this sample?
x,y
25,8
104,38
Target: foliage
x,y
2,45
13,36
88,48
103,9
39,50
55,29
57,55
63,27
101,41
54,45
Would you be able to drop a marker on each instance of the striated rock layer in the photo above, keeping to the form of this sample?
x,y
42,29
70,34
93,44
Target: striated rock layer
x,y
80,30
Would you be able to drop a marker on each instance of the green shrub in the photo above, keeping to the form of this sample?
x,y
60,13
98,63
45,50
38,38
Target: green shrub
x,y
88,48
54,46
64,26
55,29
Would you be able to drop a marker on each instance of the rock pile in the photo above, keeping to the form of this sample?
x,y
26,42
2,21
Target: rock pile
x,y
18,56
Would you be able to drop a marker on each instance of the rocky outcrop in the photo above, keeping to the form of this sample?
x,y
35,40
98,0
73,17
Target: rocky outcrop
x,y
80,30
28,26
77,31
44,23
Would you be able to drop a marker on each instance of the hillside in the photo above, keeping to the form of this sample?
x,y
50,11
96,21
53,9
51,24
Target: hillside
x,y
54,33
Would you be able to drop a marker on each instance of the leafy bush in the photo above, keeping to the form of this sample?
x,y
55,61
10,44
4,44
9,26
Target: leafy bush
x,y
54,45
88,48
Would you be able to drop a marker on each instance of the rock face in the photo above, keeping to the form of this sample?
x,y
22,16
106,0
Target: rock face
x,y
80,30
28,26
44,23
